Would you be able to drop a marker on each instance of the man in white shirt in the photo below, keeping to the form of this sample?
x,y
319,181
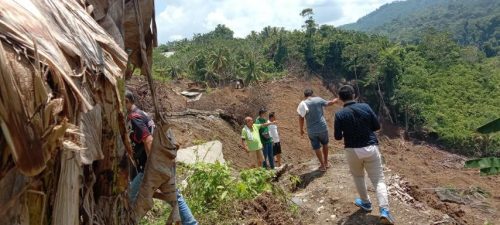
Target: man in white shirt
x,y
273,132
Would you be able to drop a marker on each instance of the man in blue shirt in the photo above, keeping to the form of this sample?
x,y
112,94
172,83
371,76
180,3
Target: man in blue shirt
x,y
311,111
357,123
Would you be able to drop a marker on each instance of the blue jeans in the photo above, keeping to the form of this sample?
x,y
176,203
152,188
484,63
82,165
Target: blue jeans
x,y
187,217
268,155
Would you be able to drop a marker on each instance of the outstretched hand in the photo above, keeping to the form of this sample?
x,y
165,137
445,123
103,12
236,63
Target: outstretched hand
x,y
334,101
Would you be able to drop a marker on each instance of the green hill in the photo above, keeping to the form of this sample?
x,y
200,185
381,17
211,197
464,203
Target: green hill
x,y
389,12
469,22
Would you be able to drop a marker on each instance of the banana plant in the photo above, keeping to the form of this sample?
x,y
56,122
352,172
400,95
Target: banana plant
x,y
488,165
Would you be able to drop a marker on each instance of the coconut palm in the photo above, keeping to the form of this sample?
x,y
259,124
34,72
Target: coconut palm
x,y
218,60
174,71
252,70
219,63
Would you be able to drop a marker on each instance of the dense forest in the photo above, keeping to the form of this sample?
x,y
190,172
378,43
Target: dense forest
x,y
469,22
438,89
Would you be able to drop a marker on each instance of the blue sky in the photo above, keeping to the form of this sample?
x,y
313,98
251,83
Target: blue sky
x,y
177,19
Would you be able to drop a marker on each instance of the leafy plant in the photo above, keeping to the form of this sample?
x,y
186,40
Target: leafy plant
x,y
208,186
489,165
491,127
157,215
212,191
295,180
253,182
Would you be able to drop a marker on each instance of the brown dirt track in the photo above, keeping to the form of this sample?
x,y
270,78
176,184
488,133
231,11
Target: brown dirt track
x,y
423,167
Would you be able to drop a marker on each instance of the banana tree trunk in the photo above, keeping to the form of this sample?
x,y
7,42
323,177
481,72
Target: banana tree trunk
x,y
63,140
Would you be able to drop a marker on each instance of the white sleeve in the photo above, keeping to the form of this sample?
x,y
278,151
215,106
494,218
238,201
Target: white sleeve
x,y
302,109
273,132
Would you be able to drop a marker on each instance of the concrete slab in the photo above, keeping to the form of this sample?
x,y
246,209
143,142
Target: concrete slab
x,y
209,152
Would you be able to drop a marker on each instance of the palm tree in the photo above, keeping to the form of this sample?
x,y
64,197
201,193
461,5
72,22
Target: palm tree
x,y
174,71
218,59
218,62
252,70
211,76
198,67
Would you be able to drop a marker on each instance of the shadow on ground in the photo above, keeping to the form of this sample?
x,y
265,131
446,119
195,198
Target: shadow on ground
x,y
307,178
359,217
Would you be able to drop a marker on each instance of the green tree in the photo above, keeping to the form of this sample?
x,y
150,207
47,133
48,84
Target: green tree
x,y
281,55
174,71
219,63
252,70
310,27
198,67
162,48
439,48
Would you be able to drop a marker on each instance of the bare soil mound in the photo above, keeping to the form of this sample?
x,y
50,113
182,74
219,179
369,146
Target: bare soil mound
x,y
168,94
266,209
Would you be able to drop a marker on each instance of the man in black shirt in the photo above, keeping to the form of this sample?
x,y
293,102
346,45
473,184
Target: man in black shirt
x,y
357,123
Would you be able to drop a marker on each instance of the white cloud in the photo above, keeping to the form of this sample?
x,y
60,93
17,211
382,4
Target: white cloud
x,y
175,37
355,9
178,19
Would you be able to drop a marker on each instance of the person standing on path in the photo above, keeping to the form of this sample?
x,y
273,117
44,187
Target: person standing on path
x,y
266,139
141,127
311,111
273,131
357,123
250,139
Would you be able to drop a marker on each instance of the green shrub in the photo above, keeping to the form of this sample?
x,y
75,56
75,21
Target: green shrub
x,y
489,165
253,182
208,186
213,192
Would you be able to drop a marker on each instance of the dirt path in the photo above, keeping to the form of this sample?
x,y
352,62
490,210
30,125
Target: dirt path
x,y
328,198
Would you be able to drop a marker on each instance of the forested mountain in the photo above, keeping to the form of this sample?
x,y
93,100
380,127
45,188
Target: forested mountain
x,y
471,22
391,11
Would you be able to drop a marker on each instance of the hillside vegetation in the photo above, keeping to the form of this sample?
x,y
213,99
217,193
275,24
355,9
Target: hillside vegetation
x,y
439,90
469,22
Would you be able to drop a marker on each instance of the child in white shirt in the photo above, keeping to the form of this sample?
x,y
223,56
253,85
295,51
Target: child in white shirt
x,y
273,132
